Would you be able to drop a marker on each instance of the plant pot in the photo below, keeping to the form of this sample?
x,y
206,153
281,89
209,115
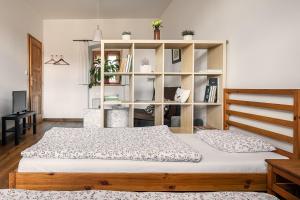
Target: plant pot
x,y
145,68
156,34
188,37
126,37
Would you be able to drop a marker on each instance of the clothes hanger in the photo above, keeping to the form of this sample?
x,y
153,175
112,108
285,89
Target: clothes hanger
x,y
51,61
61,61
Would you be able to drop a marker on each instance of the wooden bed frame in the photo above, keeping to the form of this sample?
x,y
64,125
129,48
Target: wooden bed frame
x,y
182,181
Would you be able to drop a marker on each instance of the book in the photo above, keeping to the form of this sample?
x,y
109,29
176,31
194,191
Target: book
x,y
123,64
111,98
128,63
206,95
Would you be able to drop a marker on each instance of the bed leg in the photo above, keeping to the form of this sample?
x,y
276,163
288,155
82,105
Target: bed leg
x,y
12,180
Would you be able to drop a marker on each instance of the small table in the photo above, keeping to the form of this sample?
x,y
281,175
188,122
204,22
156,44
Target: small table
x,y
17,129
284,178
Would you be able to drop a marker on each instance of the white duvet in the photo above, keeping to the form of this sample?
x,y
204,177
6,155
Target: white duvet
x,y
142,144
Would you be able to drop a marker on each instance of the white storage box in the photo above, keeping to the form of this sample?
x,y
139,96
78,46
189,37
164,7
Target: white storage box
x,y
117,117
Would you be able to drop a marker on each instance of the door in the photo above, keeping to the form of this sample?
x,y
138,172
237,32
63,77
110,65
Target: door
x,y
35,76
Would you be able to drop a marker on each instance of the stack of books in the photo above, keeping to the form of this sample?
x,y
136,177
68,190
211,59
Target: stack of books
x,y
112,99
126,64
211,91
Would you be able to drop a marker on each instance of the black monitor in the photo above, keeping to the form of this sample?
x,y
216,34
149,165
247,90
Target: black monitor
x,y
19,102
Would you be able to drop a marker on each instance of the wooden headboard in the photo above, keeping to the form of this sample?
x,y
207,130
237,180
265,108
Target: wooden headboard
x,y
293,108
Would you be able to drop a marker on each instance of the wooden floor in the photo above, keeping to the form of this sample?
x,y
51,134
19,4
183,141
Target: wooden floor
x,y
10,154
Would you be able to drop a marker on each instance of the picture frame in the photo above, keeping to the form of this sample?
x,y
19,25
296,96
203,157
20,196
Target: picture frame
x,y
176,56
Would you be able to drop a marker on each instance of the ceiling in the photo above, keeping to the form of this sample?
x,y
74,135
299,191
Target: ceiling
x,y
105,9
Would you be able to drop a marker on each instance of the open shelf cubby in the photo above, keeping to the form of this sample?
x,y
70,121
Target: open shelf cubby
x,y
156,85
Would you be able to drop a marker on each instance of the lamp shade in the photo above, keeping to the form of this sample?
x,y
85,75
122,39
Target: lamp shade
x,y
98,35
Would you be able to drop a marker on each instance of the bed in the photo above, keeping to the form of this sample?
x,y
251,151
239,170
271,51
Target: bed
x,y
99,195
213,173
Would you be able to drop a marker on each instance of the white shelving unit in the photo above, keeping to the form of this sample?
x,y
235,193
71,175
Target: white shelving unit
x,y
216,67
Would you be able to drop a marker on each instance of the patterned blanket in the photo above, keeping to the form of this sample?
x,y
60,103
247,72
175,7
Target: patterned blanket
x,y
145,144
106,195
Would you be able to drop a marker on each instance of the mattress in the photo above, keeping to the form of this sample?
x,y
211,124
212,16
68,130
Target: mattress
x,y
213,161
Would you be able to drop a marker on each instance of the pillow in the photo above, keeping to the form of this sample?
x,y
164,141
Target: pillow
x,y
181,95
234,142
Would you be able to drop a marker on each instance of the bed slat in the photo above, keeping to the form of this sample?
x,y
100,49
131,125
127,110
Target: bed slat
x,y
274,106
262,132
261,118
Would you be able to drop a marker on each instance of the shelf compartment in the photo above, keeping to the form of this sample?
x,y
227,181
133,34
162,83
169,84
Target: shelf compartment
x,y
142,118
123,90
211,114
186,63
179,118
153,84
181,81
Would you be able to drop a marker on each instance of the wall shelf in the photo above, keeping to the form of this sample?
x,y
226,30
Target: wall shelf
x,y
216,66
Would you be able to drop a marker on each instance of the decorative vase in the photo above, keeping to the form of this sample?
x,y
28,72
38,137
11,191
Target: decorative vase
x,y
126,37
156,34
188,37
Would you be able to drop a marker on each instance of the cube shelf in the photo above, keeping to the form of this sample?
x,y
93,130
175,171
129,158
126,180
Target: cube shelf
x,y
200,59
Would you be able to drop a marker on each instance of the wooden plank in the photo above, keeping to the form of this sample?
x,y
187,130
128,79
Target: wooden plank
x,y
270,179
296,134
226,107
261,118
261,105
263,132
142,181
63,119
262,91
283,193
284,153
215,57
12,180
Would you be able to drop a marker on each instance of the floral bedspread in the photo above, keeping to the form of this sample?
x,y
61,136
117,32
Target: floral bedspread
x,y
105,195
155,143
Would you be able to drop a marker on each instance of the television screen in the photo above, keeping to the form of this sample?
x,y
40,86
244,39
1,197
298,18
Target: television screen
x,y
19,101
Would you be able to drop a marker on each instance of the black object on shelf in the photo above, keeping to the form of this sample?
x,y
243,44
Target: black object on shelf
x,y
19,127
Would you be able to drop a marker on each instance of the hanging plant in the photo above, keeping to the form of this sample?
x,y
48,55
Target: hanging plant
x,y
95,71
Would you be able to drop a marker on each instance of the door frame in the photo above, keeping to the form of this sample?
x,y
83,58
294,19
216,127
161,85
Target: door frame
x,y
29,38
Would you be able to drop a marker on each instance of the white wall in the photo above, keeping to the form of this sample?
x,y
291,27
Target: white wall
x,y
63,96
263,44
263,35
17,19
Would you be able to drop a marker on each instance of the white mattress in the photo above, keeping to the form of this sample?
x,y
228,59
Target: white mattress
x,y
212,161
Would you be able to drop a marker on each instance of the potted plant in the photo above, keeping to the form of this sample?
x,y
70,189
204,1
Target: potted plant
x,y
126,35
145,66
157,24
188,34
95,71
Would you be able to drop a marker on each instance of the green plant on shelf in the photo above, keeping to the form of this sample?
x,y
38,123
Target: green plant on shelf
x,y
95,71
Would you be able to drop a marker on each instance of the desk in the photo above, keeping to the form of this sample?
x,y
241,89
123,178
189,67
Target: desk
x,y
17,129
